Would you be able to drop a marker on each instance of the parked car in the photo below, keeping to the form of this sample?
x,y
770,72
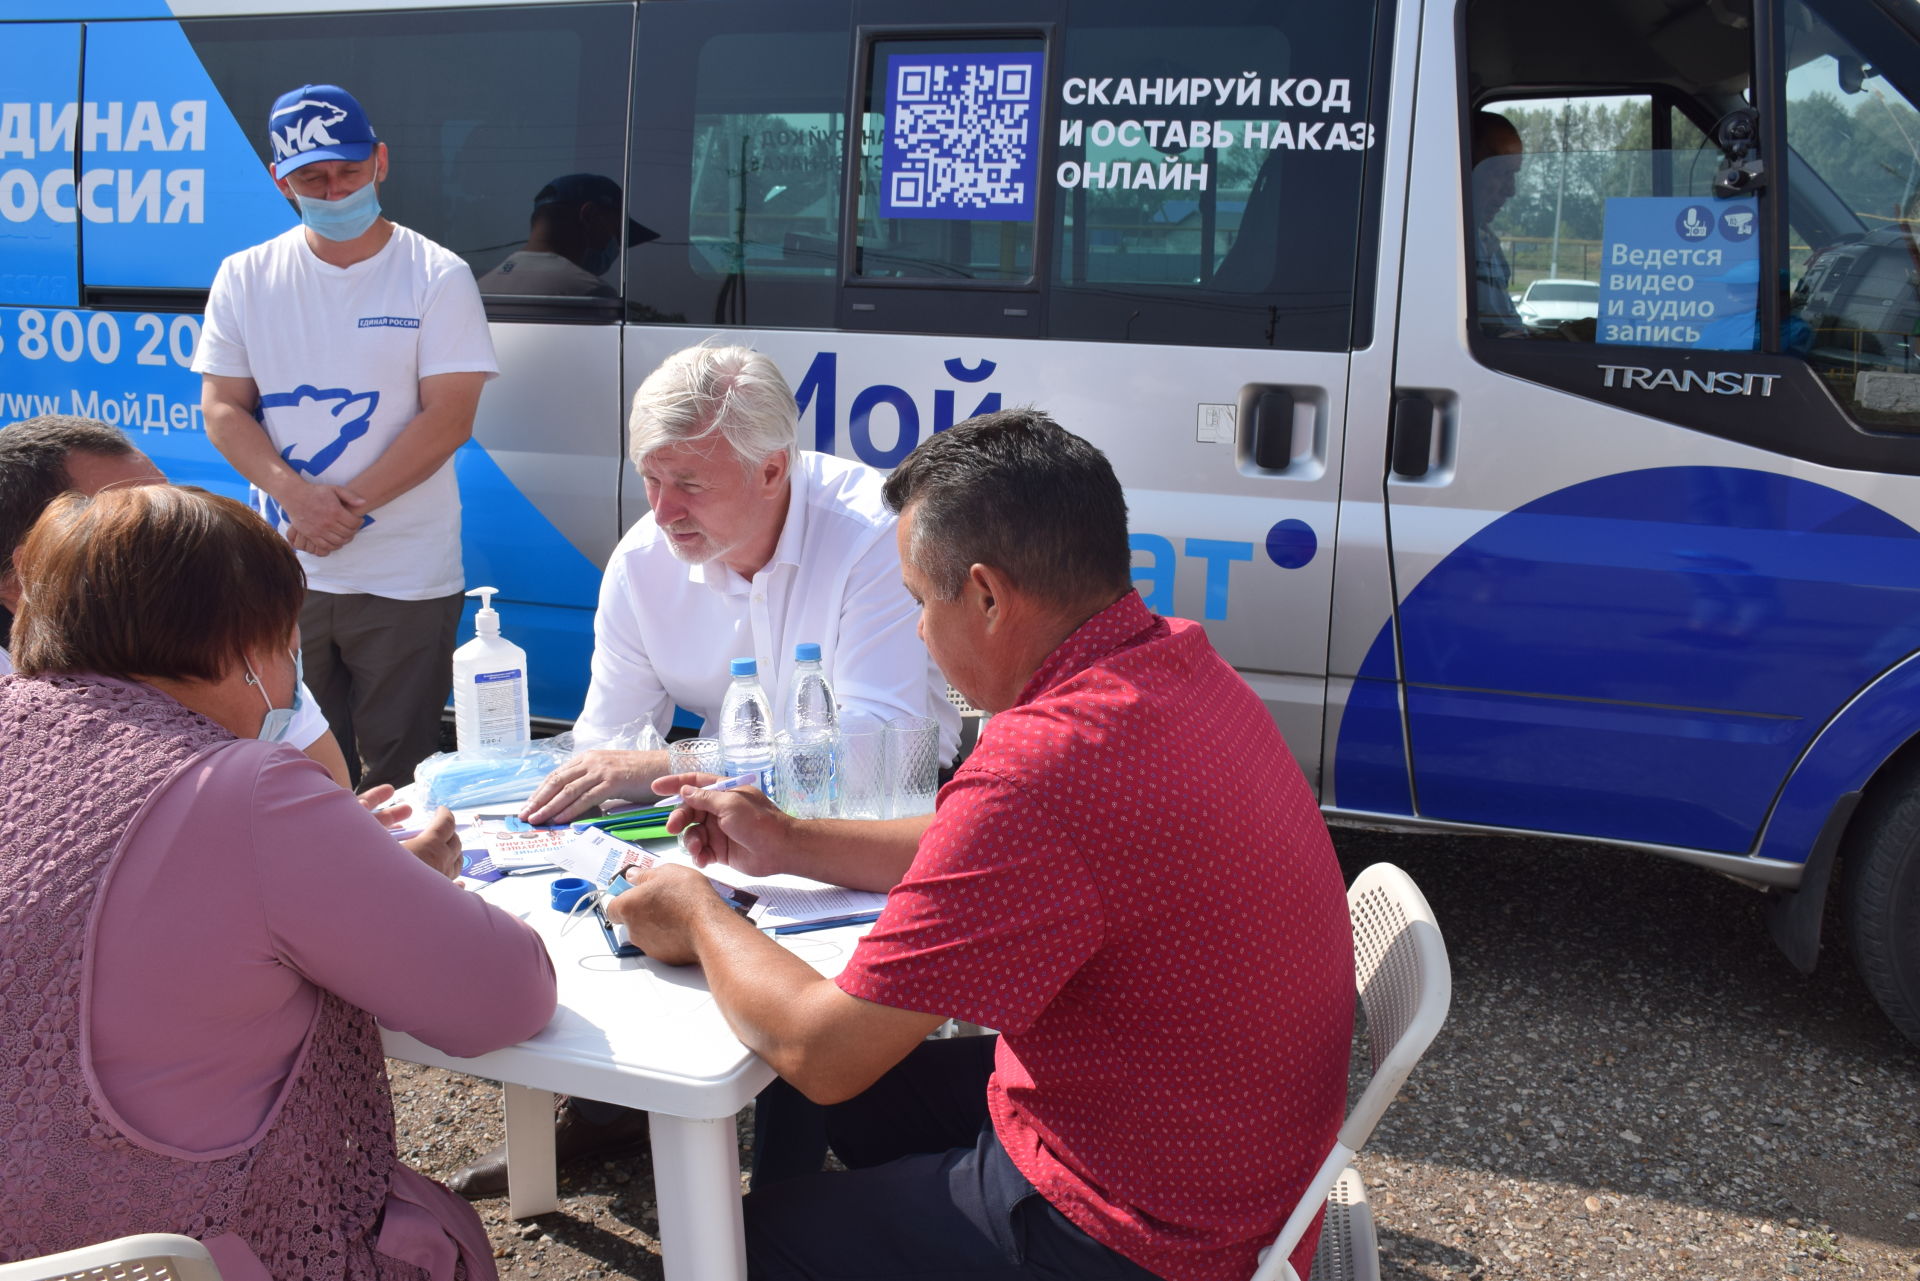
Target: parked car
x,y
1549,304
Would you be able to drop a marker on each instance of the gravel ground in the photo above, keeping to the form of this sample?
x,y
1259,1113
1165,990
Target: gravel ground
x,y
1632,1081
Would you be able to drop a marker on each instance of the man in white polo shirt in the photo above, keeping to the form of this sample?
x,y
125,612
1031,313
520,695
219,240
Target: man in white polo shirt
x,y
751,547
341,365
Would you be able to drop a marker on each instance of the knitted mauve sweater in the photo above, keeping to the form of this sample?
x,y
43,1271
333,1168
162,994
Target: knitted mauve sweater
x,y
81,758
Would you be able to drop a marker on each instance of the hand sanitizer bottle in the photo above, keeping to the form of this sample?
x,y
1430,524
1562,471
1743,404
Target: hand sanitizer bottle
x,y
489,685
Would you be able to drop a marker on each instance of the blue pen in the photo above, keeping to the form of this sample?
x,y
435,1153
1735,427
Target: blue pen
x,y
827,923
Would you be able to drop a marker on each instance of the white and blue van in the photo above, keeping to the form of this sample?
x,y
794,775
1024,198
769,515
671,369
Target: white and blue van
x,y
1646,572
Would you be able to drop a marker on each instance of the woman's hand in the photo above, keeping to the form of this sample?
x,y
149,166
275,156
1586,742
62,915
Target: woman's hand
x,y
438,846
374,797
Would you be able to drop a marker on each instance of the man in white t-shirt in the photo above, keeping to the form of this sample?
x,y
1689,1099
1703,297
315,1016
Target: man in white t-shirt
x,y
341,365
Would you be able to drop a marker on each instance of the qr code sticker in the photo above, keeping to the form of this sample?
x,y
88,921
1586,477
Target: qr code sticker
x,y
961,137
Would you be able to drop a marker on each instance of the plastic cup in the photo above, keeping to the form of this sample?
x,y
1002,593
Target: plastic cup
x,y
862,784
804,770
695,756
913,765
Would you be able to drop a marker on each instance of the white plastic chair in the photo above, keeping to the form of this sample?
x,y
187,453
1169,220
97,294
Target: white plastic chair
x,y
151,1256
972,719
1405,984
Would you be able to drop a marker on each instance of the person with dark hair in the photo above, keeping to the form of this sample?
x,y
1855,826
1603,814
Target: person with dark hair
x,y
573,240
191,1041
1172,984
1496,152
42,458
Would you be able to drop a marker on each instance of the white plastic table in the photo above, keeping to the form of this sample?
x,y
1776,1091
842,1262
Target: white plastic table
x,y
648,1036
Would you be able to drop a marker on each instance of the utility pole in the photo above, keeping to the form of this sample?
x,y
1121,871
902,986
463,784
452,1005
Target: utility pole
x,y
1560,190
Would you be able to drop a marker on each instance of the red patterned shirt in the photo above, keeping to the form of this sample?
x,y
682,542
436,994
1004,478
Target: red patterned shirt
x,y
1131,880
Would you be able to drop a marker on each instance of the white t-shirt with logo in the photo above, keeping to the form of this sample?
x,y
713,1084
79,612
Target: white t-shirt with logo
x,y
338,354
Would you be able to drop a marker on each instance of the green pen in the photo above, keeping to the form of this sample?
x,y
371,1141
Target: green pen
x,y
639,832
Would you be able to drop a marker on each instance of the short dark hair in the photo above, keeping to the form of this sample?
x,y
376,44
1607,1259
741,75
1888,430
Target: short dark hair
x,y
33,472
152,580
1016,491
33,467
1488,128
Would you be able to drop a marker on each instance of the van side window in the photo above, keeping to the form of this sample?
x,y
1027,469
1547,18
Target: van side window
x,y
1853,256
739,156
1211,173
1546,175
949,160
473,163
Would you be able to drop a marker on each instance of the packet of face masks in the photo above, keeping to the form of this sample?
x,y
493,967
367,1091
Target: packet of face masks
x,y
462,780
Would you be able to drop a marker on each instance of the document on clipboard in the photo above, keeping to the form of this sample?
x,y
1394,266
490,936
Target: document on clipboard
x,y
590,854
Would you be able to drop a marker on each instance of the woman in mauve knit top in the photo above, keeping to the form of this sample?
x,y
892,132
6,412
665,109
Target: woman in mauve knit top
x,y
199,929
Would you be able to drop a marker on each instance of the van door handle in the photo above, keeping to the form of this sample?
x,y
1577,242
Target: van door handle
x,y
1412,448
1273,429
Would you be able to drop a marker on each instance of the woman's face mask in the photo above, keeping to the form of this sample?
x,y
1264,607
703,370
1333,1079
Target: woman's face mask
x,y
279,720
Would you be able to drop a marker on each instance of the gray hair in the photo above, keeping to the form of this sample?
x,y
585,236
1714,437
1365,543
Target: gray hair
x,y
731,394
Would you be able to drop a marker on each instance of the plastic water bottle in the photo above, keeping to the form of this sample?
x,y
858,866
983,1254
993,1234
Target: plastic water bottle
x,y
807,782
810,712
746,723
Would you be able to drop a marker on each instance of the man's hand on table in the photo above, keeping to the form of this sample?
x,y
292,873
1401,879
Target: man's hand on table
x,y
661,909
437,845
588,779
827,1043
739,827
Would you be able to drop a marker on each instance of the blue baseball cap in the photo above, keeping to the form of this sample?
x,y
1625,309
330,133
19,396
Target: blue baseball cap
x,y
579,188
317,122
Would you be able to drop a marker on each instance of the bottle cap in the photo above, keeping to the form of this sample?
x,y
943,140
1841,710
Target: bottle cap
x,y
807,652
745,667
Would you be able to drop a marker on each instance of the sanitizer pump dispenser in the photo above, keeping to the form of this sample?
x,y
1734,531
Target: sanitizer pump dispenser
x,y
489,685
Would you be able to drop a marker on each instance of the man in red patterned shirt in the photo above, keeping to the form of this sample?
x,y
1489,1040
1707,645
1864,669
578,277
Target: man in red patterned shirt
x,y
1172,981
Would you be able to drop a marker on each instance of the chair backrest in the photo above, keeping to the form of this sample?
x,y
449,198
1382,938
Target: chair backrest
x,y
1405,985
151,1256
1400,967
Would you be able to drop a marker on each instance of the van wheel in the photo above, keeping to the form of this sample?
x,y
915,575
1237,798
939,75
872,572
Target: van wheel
x,y
1883,906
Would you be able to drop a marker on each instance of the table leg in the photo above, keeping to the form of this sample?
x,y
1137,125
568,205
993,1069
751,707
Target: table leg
x,y
532,1185
696,1184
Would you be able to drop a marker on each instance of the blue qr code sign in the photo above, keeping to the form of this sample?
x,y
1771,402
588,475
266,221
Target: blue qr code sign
x,y
962,136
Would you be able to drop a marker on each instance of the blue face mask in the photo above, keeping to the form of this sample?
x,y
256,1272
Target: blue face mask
x,y
344,219
596,261
279,720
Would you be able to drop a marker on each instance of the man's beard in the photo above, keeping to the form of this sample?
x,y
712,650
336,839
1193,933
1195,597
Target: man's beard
x,y
699,553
